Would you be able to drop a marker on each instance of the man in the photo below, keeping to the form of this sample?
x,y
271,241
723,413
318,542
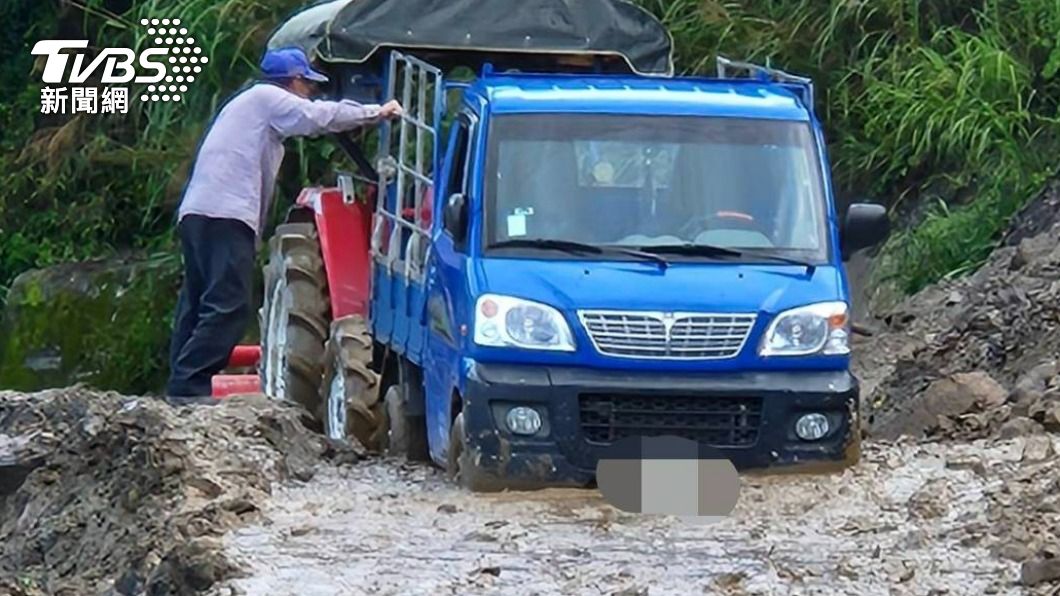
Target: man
x,y
225,203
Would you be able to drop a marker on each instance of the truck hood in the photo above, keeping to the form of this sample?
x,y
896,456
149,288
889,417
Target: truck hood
x,y
683,286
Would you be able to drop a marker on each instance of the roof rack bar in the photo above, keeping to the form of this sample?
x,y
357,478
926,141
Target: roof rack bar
x,y
726,67
725,64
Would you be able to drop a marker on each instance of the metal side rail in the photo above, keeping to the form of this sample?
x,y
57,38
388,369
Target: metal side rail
x,y
726,69
406,170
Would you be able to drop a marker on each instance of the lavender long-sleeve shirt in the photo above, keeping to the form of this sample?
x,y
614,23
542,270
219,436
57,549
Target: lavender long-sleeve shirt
x,y
235,171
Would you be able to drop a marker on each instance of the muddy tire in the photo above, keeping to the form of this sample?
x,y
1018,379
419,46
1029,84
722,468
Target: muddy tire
x,y
294,317
462,468
351,407
406,434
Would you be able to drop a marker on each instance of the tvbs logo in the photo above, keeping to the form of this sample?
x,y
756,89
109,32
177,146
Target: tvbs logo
x,y
117,63
166,68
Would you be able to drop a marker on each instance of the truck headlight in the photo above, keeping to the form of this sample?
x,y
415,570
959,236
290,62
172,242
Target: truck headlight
x,y
815,329
503,321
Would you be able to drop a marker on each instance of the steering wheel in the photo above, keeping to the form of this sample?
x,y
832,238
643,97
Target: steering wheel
x,y
729,220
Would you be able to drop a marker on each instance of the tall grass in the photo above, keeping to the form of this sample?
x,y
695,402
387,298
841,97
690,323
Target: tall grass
x,y
943,109
83,187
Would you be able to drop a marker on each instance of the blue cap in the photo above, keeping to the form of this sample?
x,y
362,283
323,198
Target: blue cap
x,y
289,63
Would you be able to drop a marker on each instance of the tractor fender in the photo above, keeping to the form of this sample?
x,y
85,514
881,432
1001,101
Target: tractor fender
x,y
345,235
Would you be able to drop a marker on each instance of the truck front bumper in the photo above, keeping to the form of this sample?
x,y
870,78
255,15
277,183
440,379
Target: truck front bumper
x,y
749,417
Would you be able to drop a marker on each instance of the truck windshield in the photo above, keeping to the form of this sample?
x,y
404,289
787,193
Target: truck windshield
x,y
751,185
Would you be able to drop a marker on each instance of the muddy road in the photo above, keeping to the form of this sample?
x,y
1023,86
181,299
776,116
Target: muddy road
x,y
911,519
135,497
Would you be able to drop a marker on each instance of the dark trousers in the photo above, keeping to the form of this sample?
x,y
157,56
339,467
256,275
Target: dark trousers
x,y
214,302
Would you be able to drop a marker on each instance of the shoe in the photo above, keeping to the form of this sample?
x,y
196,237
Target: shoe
x,y
183,401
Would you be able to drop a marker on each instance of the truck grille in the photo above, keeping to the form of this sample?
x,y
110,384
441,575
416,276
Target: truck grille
x,y
716,421
674,336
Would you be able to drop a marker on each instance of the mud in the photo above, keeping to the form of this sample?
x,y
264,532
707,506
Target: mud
x,y
911,519
125,495
131,496
1001,324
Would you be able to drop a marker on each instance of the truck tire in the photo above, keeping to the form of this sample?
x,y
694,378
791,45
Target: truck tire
x,y
461,466
406,434
351,405
294,317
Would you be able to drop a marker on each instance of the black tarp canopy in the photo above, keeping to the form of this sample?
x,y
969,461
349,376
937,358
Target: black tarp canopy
x,y
615,34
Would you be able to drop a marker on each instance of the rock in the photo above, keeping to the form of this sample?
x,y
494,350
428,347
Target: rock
x,y
1025,395
727,583
303,530
1033,573
1038,377
931,500
633,591
946,397
1036,217
1018,261
1015,551
1037,448
1051,418
987,392
102,323
19,455
966,461
1048,507
479,536
193,567
1020,426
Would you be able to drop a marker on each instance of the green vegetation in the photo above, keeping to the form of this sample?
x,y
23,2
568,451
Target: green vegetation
x,y
81,187
943,109
947,104
104,324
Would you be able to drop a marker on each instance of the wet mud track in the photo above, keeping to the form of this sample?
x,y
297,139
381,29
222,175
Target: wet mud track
x,y
910,519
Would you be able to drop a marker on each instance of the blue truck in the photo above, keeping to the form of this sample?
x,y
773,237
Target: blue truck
x,y
564,246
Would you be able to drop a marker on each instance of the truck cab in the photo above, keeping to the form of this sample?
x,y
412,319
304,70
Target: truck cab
x,y
569,248
622,256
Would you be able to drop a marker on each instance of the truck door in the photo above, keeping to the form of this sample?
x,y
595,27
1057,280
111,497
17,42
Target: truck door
x,y
447,299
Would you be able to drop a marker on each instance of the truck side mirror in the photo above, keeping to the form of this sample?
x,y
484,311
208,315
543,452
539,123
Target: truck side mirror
x,y
866,225
455,216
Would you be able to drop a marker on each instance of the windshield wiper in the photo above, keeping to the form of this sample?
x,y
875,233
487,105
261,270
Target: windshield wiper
x,y
701,250
572,247
709,250
810,267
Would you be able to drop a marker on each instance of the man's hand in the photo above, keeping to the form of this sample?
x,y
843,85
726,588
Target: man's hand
x,y
391,110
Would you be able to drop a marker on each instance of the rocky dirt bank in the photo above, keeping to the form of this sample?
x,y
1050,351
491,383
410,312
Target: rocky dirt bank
x,y
126,495
975,357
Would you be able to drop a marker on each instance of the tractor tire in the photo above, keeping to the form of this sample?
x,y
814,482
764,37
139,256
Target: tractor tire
x,y
271,273
406,434
461,467
294,317
351,407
